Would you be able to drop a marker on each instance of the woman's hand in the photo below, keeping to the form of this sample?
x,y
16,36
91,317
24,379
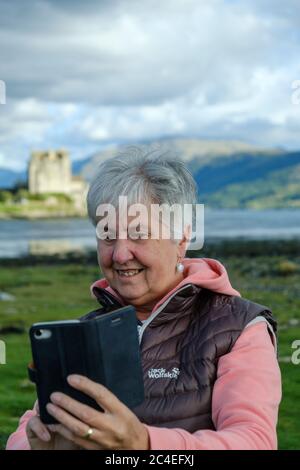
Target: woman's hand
x,y
116,428
41,438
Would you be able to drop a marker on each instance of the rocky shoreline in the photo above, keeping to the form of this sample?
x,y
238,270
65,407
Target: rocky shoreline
x,y
212,249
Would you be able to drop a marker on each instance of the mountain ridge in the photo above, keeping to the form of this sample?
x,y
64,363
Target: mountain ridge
x,y
229,174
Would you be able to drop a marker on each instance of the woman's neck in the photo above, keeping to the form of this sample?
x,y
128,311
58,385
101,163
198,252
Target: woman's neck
x,y
144,312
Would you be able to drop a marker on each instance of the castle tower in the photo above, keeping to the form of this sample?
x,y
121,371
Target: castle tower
x,y
50,172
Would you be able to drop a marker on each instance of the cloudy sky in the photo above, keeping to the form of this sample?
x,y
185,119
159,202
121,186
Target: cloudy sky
x,y
84,75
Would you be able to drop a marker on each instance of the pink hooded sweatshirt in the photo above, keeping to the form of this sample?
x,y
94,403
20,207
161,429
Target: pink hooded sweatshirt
x,y
246,394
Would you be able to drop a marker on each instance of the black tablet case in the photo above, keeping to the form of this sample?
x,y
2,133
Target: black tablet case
x,y
104,349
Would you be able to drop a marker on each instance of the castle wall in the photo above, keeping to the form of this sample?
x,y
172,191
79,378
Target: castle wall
x,y
50,172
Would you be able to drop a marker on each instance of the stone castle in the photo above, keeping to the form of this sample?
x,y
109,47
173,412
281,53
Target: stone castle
x,y
51,172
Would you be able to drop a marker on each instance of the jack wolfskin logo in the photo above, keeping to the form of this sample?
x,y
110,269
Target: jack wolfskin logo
x,y
162,373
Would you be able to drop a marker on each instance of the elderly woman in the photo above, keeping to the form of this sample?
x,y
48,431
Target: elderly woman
x,y
211,374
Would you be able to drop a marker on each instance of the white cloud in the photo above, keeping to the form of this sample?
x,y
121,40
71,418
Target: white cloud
x,y
82,75
136,56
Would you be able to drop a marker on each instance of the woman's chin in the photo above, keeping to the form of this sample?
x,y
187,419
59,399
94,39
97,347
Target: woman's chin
x,y
130,292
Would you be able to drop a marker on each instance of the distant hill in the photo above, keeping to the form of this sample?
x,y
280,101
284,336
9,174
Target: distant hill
x,y
8,178
229,174
78,165
258,180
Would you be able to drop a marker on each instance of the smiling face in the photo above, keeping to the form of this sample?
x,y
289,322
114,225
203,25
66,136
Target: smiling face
x,y
141,270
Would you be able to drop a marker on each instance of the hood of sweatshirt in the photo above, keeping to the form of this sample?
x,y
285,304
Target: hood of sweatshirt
x,y
203,272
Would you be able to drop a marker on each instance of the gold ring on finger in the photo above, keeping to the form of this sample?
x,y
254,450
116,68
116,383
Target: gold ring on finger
x,y
88,434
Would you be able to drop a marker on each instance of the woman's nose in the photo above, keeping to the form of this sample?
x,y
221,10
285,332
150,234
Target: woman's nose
x,y
122,252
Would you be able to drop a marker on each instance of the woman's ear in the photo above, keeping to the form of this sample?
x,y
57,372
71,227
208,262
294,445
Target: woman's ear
x,y
188,233
184,242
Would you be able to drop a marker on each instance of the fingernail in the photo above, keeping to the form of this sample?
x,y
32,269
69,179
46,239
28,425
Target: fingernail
x,y
46,436
50,408
74,379
55,397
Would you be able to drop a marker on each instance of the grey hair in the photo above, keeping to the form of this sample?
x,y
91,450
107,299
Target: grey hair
x,y
143,175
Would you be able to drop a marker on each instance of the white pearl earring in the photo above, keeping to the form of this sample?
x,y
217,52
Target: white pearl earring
x,y
179,267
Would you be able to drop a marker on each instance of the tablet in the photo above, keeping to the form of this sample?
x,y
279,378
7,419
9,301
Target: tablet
x,y
105,349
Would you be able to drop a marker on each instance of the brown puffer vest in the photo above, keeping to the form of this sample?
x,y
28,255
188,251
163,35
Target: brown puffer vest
x,y
181,343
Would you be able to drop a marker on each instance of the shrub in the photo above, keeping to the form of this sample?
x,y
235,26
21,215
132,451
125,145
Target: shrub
x,y
286,267
5,196
21,194
61,197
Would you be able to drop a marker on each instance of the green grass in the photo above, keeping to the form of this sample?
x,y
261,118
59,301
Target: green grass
x,y
38,209
42,293
52,291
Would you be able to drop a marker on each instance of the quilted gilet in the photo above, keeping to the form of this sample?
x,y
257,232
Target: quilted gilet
x,y
181,344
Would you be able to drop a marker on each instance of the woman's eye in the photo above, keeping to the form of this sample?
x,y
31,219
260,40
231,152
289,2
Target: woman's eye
x,y
139,236
107,237
110,237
